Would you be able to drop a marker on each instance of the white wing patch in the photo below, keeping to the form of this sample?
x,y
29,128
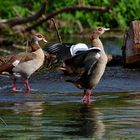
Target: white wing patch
x,y
78,47
15,63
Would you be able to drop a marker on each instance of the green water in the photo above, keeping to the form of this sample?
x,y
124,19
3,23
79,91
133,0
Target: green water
x,y
42,116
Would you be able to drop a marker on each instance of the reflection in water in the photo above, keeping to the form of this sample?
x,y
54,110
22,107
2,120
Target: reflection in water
x,y
112,116
32,108
41,120
89,124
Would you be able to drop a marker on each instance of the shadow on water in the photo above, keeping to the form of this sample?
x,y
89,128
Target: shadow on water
x,y
87,123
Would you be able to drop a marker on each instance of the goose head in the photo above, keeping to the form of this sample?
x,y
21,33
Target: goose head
x,y
39,37
99,31
34,43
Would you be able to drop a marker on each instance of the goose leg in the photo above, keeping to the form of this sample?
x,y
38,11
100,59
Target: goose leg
x,y
84,96
27,85
14,87
89,93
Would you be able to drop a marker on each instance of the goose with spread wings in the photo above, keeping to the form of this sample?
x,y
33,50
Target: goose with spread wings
x,y
88,62
65,51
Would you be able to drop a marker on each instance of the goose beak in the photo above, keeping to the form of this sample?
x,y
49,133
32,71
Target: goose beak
x,y
44,40
106,29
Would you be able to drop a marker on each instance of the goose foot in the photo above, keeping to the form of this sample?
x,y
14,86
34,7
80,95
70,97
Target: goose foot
x,y
14,87
86,98
89,93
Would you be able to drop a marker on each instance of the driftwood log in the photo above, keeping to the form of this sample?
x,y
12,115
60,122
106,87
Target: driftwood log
x,y
131,49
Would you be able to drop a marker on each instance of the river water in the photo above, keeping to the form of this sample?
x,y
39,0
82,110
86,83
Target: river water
x,y
54,109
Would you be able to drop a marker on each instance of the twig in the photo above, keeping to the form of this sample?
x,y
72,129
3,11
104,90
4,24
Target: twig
x,y
59,37
27,44
3,121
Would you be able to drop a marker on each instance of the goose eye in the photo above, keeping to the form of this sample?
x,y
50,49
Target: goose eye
x,y
99,29
39,36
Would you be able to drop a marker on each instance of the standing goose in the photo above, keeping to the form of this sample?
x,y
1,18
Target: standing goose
x,y
24,64
92,61
94,68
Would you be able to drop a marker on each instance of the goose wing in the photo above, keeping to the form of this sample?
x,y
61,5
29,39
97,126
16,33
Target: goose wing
x,y
10,61
61,50
84,59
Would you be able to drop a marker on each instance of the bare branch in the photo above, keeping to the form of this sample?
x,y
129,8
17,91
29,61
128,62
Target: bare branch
x,y
18,21
109,7
68,10
72,9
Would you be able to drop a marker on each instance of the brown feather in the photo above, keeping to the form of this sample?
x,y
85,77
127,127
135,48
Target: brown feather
x,y
6,67
6,62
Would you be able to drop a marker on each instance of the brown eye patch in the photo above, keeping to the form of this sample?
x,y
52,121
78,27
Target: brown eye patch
x,y
99,29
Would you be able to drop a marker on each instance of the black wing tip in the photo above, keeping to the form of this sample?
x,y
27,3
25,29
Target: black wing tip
x,y
94,49
54,48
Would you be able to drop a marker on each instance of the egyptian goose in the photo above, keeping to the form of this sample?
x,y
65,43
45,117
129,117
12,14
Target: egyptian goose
x,y
24,64
92,61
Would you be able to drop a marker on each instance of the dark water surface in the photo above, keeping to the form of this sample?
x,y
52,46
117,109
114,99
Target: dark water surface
x,y
54,110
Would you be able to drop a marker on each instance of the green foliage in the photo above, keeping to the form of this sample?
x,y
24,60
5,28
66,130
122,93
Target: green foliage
x,y
12,8
123,12
5,8
126,11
